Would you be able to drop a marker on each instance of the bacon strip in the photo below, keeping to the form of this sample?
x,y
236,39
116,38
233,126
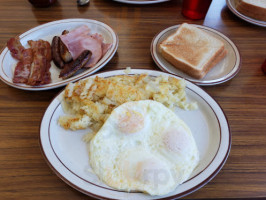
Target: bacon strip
x,y
34,63
16,48
25,58
41,62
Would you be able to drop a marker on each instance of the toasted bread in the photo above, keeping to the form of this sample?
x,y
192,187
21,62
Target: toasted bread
x,y
192,50
253,8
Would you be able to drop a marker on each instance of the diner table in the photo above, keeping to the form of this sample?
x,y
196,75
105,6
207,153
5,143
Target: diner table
x,y
25,173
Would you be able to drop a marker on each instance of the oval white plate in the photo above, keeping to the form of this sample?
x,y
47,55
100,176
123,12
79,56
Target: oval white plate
x,y
46,32
231,4
141,1
66,153
223,71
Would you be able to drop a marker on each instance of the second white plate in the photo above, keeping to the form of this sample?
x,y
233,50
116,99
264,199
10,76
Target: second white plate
x,y
67,154
223,71
231,4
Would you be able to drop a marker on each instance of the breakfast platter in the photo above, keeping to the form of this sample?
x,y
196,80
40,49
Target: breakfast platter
x,y
67,153
222,72
231,4
141,1
47,32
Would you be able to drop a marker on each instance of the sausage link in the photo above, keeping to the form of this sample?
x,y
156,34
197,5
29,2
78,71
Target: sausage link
x,y
72,67
56,53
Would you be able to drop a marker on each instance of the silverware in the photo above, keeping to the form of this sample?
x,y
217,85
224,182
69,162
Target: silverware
x,y
83,2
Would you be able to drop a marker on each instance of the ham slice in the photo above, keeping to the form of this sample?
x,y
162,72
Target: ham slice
x,y
105,48
81,39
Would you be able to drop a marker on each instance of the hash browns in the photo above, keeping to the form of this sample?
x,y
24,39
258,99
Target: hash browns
x,y
89,102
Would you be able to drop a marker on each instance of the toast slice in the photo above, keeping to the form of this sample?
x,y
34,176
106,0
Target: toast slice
x,y
192,50
253,8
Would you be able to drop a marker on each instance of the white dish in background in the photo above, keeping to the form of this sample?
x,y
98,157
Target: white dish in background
x,y
67,154
47,32
231,4
225,70
141,1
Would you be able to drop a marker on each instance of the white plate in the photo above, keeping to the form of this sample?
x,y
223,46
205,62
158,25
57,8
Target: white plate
x,y
66,153
232,6
141,1
223,71
46,32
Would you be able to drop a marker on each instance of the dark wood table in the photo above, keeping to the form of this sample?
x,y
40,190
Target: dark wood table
x,y
23,170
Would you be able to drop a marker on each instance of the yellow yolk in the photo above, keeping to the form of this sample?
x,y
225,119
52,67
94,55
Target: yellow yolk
x,y
148,170
131,122
176,140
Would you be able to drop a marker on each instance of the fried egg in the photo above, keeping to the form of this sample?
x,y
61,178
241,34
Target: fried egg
x,y
143,146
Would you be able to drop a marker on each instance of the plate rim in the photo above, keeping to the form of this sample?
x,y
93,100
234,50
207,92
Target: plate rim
x,y
179,195
235,70
61,83
141,2
244,17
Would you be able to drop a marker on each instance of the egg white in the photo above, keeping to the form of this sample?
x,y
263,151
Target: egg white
x,y
143,146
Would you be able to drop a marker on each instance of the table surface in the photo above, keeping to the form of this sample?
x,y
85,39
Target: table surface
x,y
24,172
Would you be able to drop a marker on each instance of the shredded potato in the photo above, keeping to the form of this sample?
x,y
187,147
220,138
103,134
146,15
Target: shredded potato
x,y
89,102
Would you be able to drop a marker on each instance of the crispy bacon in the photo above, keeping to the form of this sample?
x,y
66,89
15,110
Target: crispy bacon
x,y
41,62
34,63
46,78
24,56
16,48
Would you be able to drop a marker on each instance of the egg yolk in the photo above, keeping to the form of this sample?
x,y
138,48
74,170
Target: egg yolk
x,y
152,171
131,122
176,140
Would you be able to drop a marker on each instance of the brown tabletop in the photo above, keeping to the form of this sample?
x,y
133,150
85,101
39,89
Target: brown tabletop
x,y
24,172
